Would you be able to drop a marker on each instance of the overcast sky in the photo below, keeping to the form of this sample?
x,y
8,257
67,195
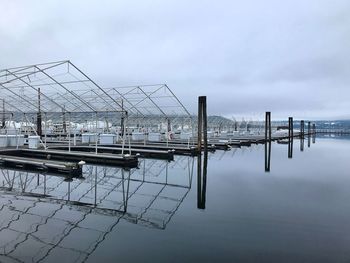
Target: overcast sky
x,y
291,57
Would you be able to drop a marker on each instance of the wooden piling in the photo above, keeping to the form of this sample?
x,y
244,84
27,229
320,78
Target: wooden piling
x,y
302,129
290,127
202,123
267,126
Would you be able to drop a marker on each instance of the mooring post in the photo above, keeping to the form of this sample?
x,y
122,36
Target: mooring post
x,y
290,127
302,129
38,118
313,133
267,126
205,124
308,134
201,101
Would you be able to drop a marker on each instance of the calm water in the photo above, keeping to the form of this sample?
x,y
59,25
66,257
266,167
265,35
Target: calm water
x,y
297,212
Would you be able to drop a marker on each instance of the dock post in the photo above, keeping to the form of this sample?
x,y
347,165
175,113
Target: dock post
x,y
267,126
308,134
290,127
202,122
302,135
205,124
302,129
38,118
290,137
313,133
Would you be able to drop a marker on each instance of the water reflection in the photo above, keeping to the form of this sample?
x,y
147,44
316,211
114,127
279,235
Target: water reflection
x,y
290,149
267,156
48,217
202,180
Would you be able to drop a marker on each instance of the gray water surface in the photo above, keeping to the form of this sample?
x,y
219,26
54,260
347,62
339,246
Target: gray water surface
x,y
299,211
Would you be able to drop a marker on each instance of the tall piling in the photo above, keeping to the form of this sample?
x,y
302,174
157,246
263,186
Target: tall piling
x,y
308,134
290,137
267,126
290,127
202,123
302,134
302,129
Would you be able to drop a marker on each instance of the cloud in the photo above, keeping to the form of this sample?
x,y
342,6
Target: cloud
x,y
289,56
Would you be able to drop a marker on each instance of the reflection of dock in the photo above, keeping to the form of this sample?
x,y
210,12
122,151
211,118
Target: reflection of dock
x,y
49,213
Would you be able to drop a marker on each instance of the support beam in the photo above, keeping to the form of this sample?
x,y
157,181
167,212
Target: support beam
x,y
38,119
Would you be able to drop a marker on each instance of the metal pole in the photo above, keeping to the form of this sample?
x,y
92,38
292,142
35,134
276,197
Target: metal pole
x,y
96,137
69,132
38,121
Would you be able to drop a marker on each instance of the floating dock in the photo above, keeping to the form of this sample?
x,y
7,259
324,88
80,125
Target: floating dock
x,y
115,149
40,165
126,160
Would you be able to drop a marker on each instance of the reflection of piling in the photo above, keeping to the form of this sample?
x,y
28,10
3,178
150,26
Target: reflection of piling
x,y
202,122
268,126
267,156
38,118
301,144
202,180
290,147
